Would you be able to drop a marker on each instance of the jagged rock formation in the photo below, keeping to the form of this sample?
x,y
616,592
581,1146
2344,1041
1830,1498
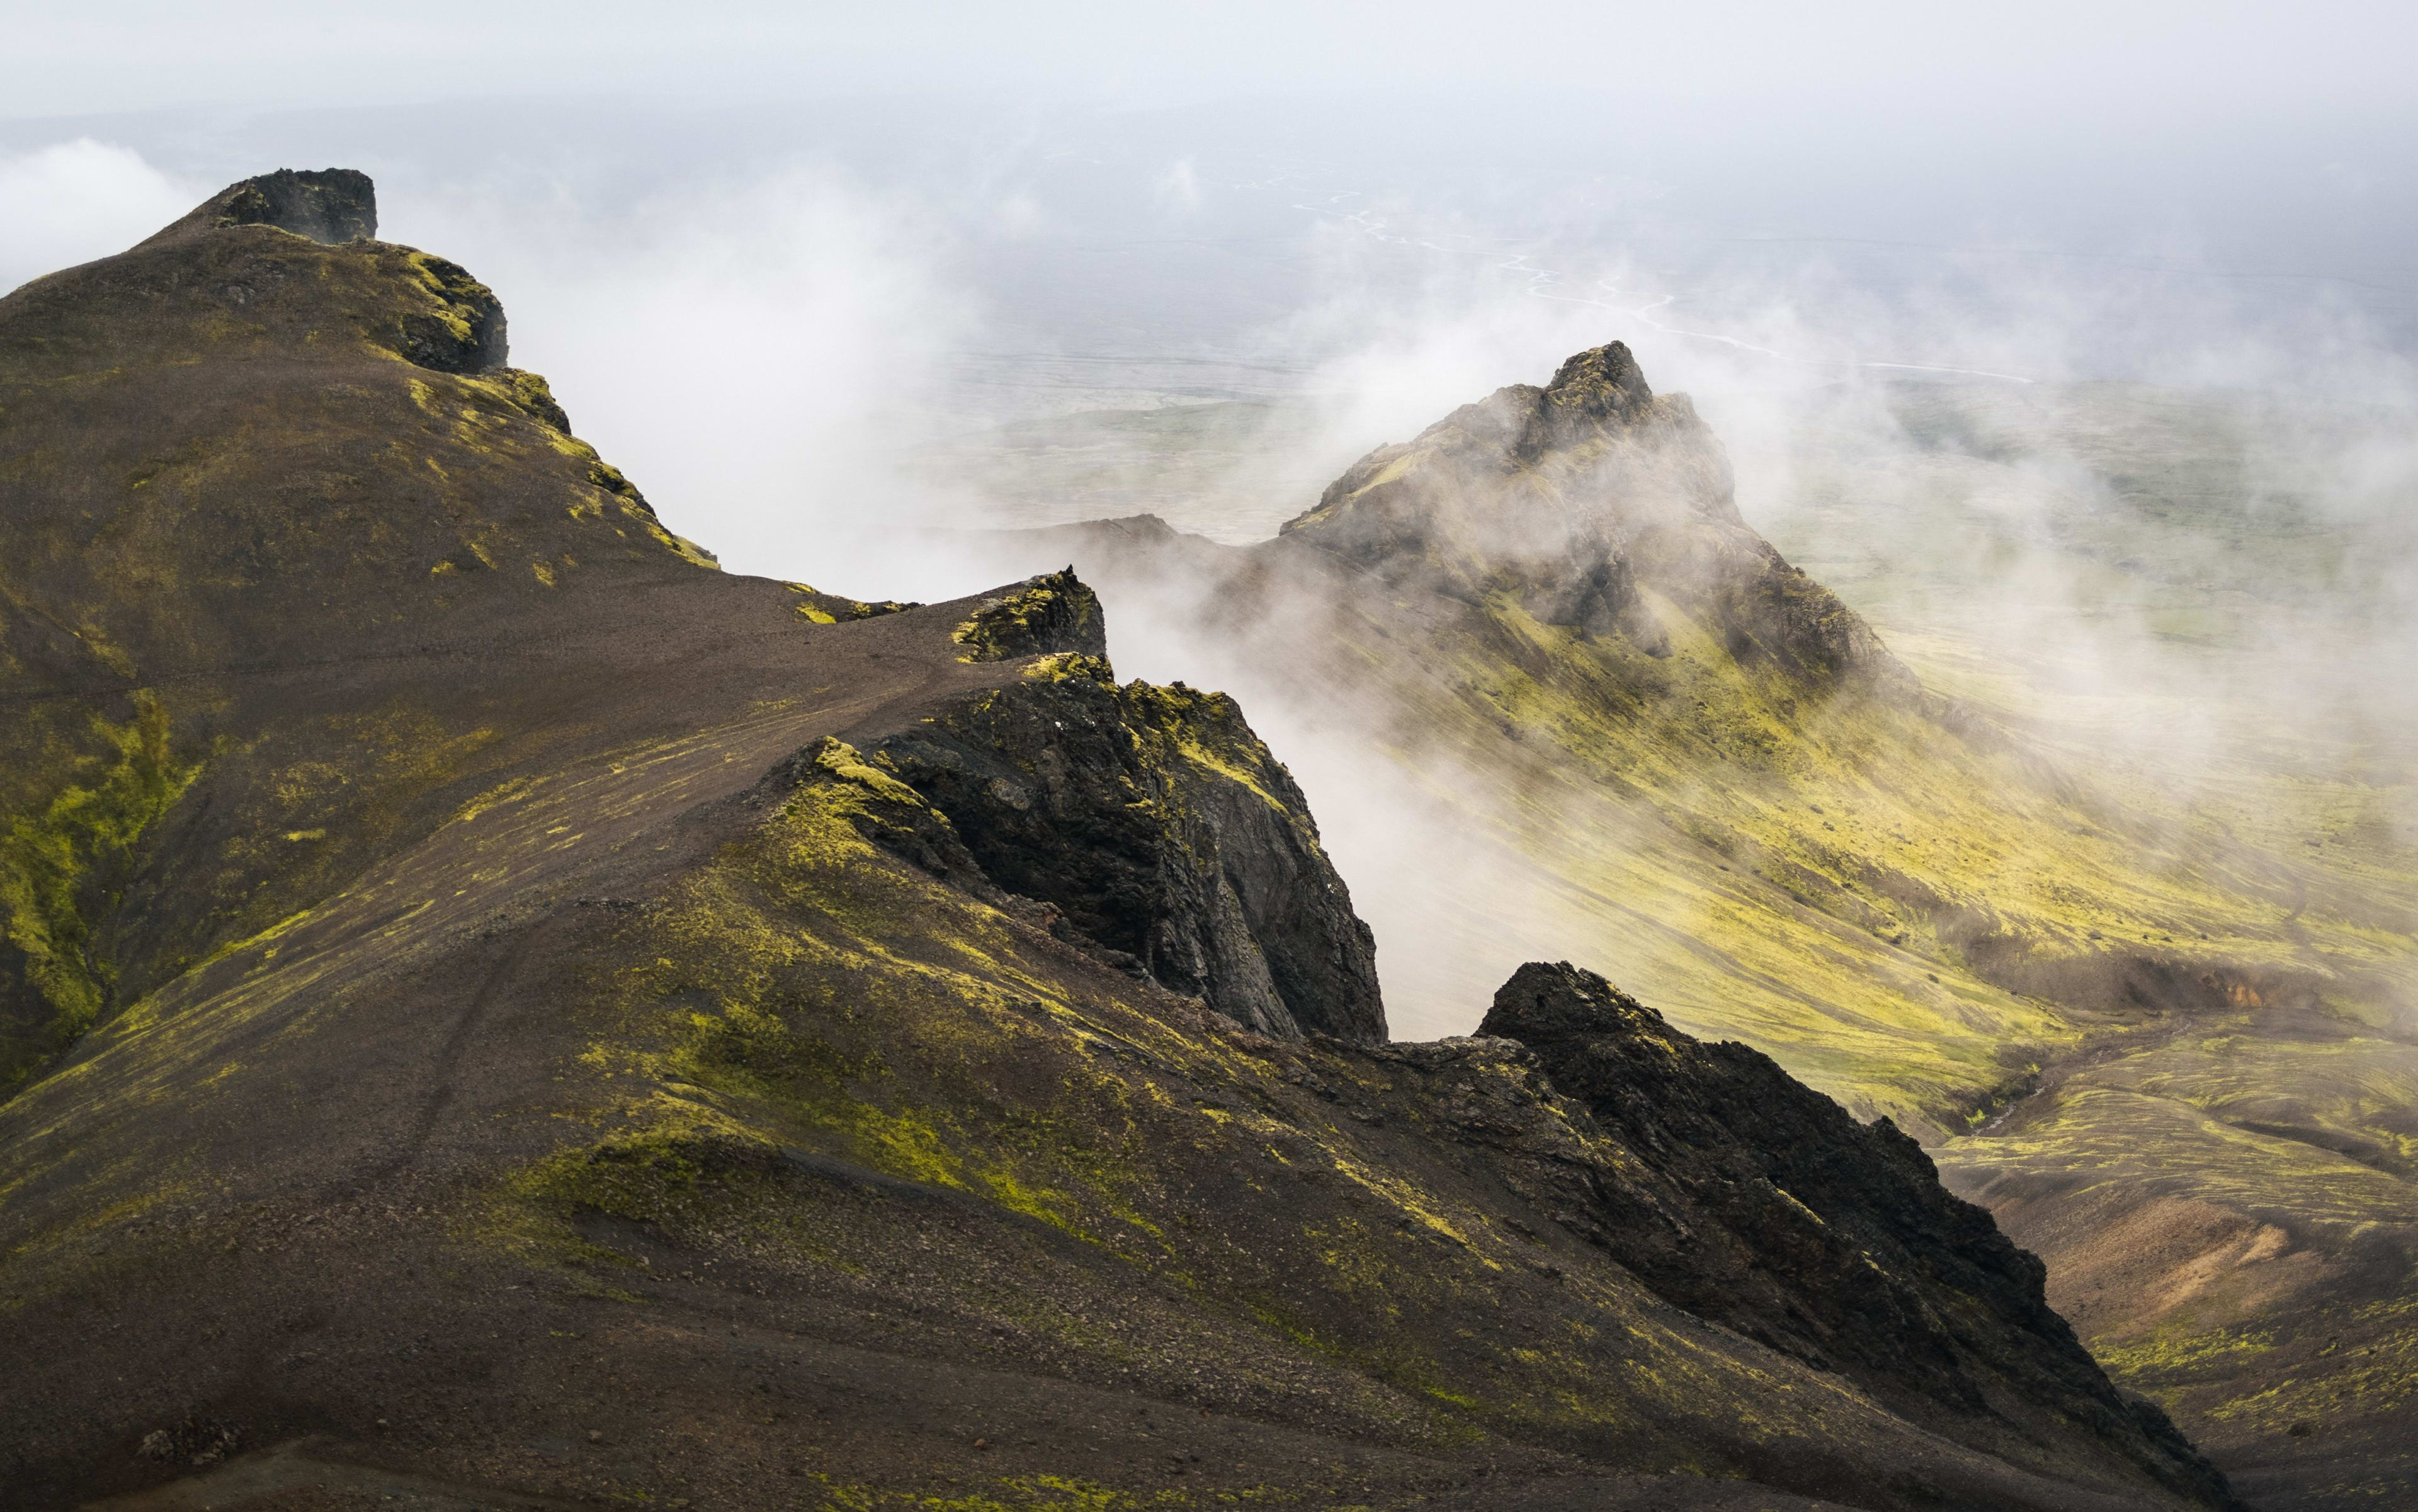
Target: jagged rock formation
x,y
332,206
1164,830
1762,1205
1049,612
1578,499
1151,820
1546,611
2126,1027
742,1038
2116,1022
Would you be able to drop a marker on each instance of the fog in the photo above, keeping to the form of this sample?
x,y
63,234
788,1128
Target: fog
x,y
823,281
2052,62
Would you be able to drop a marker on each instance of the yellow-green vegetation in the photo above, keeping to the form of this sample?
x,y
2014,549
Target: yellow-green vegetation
x,y
756,1072
1203,728
63,867
817,607
363,479
1903,900
523,977
1928,910
1058,666
2127,1135
1052,1493
810,1052
1889,906
458,300
1044,614
2122,847
2316,1368
2175,597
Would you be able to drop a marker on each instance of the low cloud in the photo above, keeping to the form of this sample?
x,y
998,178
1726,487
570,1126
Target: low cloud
x,y
73,201
760,356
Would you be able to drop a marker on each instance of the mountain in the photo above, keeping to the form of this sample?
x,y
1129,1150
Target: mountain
x,y
501,1012
2165,1035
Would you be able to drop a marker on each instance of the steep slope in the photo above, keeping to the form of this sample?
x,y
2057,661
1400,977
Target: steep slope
x,y
1613,715
252,481
2227,1211
505,1013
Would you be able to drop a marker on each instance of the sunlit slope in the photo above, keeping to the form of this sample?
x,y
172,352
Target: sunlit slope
x,y
2139,845
2206,593
2143,843
1913,914
802,1098
1915,901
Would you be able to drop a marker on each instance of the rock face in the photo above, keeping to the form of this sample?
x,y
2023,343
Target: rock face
x,y
1149,822
1162,828
1048,612
1578,500
1761,1204
331,205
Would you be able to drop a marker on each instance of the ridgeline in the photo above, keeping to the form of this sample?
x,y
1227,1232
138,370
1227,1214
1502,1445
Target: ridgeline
x,y
500,1011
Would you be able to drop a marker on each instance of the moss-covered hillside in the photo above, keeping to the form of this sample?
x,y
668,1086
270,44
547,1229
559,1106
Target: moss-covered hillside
x,y
503,1015
1630,721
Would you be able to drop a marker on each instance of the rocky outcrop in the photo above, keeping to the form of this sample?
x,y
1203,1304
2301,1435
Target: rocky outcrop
x,y
456,325
1584,501
1048,612
459,329
331,206
1753,1201
1162,829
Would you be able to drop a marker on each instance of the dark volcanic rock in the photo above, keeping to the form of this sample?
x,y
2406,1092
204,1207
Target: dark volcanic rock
x,y
1763,1206
331,206
1051,612
1161,826
464,333
461,332
1601,385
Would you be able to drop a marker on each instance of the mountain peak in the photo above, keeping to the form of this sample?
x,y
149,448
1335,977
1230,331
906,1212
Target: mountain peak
x,y
1603,383
1587,500
331,205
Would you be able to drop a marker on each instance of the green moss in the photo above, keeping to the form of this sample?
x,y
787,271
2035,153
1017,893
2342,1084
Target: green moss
x,y
2172,1352
844,761
1901,914
1061,667
1023,1493
817,607
452,289
1047,612
64,867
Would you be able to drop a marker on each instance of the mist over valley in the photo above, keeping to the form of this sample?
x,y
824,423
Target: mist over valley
x,y
1159,778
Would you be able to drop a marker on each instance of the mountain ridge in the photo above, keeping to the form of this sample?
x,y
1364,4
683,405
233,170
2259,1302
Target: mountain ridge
x,y
2162,1045
620,972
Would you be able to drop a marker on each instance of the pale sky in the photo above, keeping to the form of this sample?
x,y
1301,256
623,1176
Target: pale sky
x,y
2106,62
851,216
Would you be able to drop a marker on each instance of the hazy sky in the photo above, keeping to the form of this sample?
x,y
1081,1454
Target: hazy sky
x,y
2109,62
762,249
2271,140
